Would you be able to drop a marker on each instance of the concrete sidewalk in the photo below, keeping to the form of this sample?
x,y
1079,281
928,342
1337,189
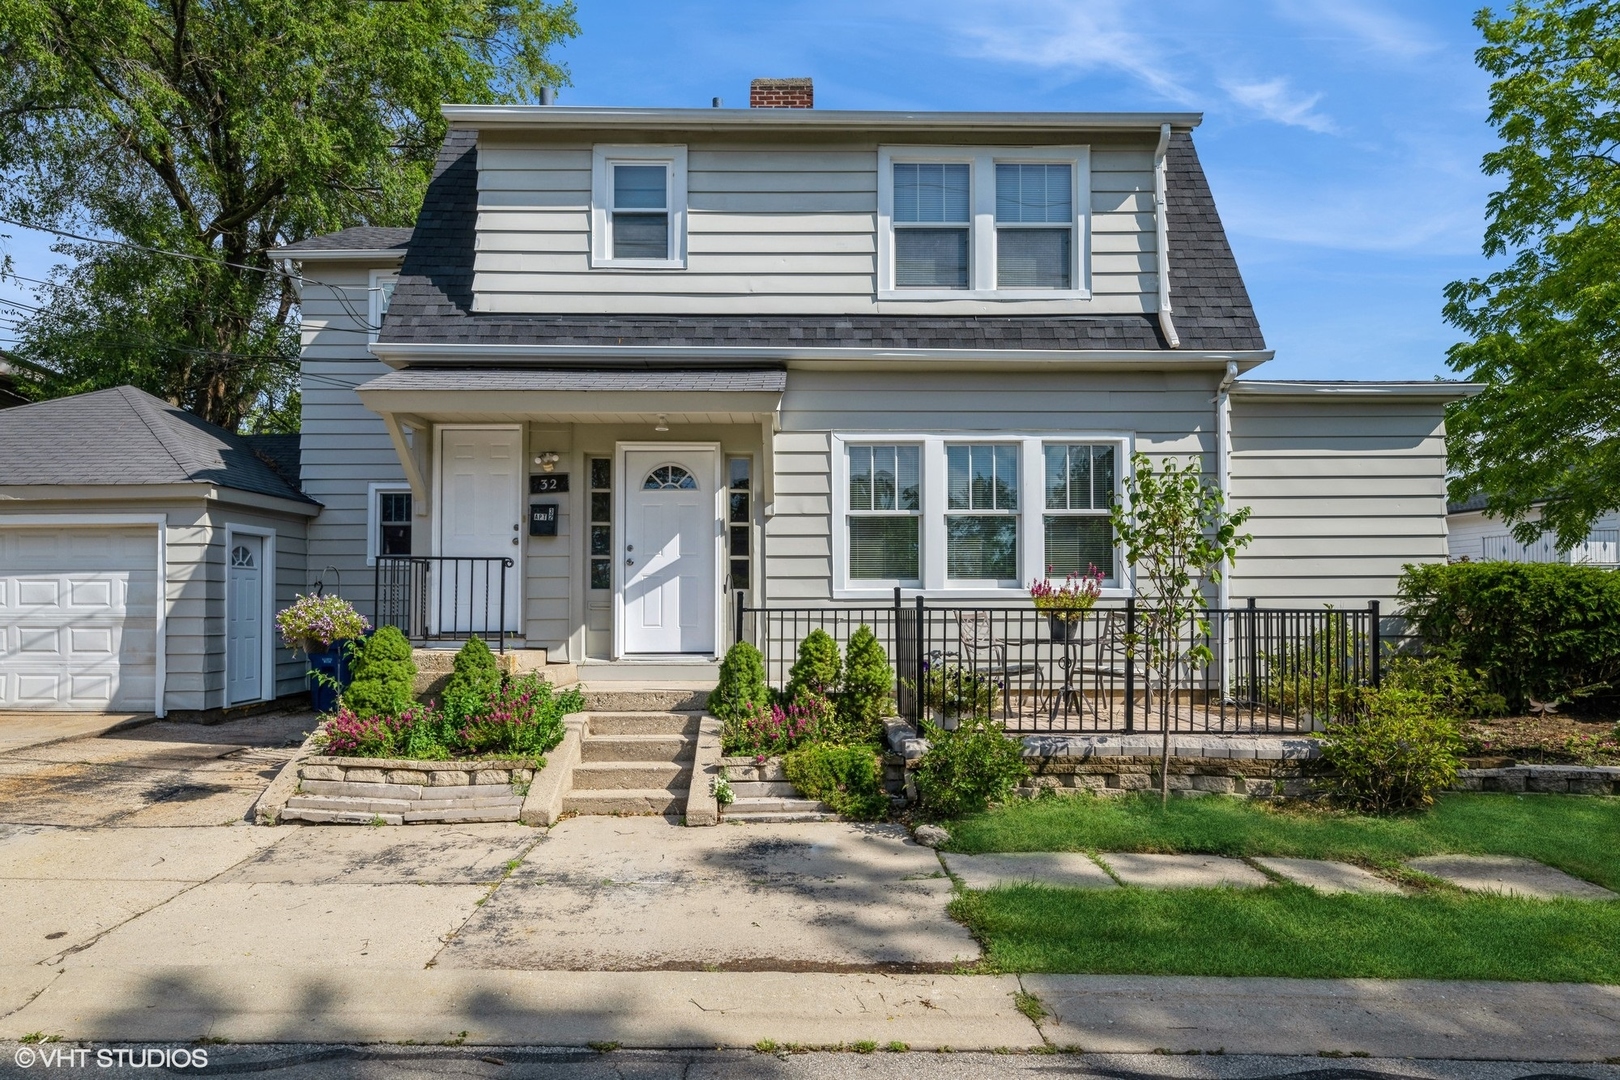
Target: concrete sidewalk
x,y
674,1010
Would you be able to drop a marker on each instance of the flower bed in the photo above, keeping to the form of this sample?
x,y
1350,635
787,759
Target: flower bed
x,y
522,721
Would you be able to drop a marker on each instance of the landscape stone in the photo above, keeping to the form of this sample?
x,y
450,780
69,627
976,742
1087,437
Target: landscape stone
x,y
1063,869
1506,874
931,835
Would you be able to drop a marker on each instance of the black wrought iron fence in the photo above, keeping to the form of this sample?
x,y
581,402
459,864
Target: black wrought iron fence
x,y
446,598
1258,670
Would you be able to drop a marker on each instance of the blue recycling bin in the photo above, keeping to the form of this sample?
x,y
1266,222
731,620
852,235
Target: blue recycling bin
x,y
333,663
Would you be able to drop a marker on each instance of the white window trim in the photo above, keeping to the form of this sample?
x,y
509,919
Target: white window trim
x,y
267,600
603,156
374,304
982,219
374,515
1031,508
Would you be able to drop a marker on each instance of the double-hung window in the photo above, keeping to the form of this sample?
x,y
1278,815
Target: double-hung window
x,y
1080,482
981,512
885,513
380,293
389,515
931,225
1034,226
983,223
638,207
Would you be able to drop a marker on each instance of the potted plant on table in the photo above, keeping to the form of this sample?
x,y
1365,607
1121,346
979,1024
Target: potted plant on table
x,y
1064,604
322,626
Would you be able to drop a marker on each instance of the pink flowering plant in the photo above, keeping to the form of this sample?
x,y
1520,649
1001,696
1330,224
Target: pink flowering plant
x,y
767,732
1066,601
523,719
322,619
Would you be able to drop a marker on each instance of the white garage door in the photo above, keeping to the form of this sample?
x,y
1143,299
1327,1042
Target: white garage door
x,y
78,618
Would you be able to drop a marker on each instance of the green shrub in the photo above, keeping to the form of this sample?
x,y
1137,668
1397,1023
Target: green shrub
x,y
966,770
1396,754
474,682
383,675
741,690
815,672
868,689
1453,690
953,691
847,778
1548,631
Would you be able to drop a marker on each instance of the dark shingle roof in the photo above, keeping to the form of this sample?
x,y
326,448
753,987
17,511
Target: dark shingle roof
x,y
768,380
357,238
432,303
126,436
283,453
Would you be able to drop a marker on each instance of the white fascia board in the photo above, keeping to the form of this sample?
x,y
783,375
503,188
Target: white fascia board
x,y
372,255
601,118
1429,391
13,495
402,354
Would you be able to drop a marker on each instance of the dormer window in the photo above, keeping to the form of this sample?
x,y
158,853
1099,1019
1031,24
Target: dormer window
x,y
983,223
638,207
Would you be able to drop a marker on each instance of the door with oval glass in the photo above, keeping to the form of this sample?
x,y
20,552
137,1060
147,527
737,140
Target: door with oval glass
x,y
671,537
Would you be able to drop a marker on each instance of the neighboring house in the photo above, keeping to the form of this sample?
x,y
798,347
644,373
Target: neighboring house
x,y
10,394
126,521
1477,538
813,356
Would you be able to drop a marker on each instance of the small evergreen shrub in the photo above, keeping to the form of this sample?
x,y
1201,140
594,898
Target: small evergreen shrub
x,y
868,689
1396,754
383,675
815,672
847,778
966,770
741,690
1548,631
474,682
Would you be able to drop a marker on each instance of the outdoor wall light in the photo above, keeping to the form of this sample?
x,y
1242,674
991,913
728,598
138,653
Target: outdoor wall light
x,y
663,423
547,461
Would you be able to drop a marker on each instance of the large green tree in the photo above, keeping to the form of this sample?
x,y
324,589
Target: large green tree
x,y
1545,326
196,135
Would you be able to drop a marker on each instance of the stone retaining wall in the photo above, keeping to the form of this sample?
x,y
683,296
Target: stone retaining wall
x,y
1552,779
401,792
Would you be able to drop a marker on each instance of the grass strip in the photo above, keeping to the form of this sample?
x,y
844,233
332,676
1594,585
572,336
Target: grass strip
x,y
1293,932
1577,834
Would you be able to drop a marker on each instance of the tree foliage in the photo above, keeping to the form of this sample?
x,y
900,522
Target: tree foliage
x,y
218,131
1178,534
1545,326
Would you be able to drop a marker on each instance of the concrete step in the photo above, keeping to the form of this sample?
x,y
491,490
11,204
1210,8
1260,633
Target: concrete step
x,y
645,801
777,810
701,674
608,697
636,748
642,723
464,813
339,817
494,797
631,775
349,805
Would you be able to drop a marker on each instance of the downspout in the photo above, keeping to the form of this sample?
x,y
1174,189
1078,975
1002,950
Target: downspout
x,y
1223,483
1162,229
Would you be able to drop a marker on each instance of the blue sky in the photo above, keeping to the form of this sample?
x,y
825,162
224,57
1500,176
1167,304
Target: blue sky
x,y
1342,137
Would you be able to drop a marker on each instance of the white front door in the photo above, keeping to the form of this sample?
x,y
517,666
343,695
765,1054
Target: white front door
x,y
668,559
480,512
244,619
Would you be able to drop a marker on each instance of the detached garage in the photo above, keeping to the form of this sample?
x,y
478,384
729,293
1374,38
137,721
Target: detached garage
x,y
143,554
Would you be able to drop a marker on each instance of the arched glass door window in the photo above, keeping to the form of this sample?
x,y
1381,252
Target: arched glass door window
x,y
669,478
242,556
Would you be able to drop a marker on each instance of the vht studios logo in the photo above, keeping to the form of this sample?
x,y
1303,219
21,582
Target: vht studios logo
x,y
112,1057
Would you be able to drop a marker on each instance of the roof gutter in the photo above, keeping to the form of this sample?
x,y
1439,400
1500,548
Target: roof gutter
x,y
1162,228
574,116
402,354
1412,391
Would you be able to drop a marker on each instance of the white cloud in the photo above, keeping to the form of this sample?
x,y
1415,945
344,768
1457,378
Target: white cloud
x,y
1274,100
1061,35
1370,27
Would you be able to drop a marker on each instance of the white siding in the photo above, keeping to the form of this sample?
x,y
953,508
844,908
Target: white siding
x,y
1344,494
345,446
1475,537
777,228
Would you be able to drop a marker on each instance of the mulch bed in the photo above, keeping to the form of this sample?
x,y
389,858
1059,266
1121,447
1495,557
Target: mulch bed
x,y
1542,740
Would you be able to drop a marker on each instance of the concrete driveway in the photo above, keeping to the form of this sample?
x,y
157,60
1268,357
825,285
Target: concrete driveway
x,y
157,774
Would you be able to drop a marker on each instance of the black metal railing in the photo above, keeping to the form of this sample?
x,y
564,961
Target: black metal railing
x,y
1252,670
445,597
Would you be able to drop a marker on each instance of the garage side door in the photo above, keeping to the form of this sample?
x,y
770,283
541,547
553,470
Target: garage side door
x,y
78,613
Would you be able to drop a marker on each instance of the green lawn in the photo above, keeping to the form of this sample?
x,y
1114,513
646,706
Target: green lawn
x,y
1286,930
1293,932
1578,834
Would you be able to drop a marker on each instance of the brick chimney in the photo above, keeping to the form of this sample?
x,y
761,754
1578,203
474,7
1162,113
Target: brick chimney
x,y
781,94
